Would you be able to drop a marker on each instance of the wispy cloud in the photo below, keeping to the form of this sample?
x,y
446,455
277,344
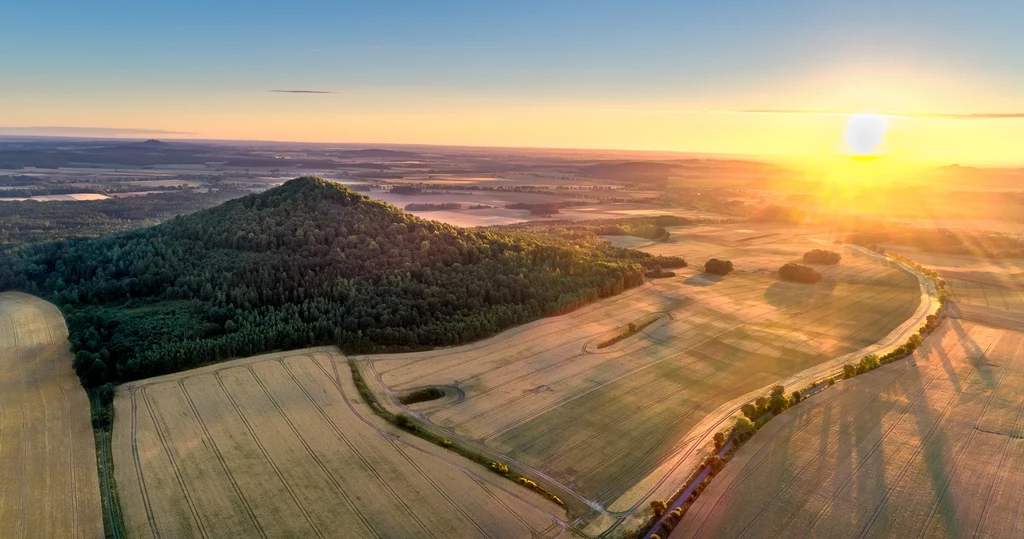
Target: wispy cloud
x,y
321,92
56,131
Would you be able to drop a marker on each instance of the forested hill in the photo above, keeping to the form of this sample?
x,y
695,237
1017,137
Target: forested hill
x,y
307,263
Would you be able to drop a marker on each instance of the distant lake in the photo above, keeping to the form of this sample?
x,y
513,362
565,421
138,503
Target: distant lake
x,y
58,198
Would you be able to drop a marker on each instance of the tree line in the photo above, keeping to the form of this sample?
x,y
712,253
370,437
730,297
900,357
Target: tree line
x,y
307,263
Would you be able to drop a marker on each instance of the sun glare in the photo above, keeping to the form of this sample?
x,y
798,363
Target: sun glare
x,y
864,133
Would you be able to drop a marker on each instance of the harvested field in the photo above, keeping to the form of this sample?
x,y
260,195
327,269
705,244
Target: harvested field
x,y
47,450
281,445
933,450
609,424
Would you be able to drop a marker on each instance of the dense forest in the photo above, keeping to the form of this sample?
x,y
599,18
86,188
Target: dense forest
x,y
307,263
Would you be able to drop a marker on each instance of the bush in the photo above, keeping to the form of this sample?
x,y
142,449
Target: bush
x,y
744,428
831,381
762,405
796,397
799,274
778,403
499,467
867,363
821,256
750,411
718,267
422,395
719,441
778,390
716,463
405,422
849,371
659,507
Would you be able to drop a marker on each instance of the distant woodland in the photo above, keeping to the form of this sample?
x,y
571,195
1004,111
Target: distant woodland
x,y
31,221
307,263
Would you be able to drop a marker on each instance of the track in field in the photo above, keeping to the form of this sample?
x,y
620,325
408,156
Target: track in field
x,y
945,411
370,522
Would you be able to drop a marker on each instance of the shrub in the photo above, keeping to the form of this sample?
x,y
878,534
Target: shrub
x,y
796,397
405,422
422,395
778,389
659,507
794,272
778,403
106,394
499,468
446,443
821,256
831,381
750,411
762,405
849,371
719,440
716,464
868,362
744,428
718,267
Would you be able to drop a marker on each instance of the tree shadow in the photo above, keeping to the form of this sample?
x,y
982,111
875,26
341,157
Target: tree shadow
x,y
703,279
783,294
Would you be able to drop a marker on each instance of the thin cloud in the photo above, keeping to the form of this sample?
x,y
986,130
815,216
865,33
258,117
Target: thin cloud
x,y
320,92
59,131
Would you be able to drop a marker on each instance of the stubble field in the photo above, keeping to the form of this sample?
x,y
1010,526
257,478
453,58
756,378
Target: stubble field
x,y
48,481
609,423
281,446
932,450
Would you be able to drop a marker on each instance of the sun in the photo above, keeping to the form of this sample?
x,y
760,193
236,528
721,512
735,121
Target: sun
x,y
865,132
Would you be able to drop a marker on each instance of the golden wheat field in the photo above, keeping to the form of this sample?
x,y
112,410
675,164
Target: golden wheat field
x,y
281,445
48,481
614,424
932,450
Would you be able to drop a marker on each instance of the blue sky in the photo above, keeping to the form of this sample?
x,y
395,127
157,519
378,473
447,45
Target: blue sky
x,y
423,57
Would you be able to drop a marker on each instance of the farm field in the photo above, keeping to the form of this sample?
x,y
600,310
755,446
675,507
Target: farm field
x,y
610,424
280,445
976,282
932,450
47,450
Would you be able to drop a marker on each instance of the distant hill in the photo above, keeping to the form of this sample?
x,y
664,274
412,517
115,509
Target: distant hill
x,y
309,262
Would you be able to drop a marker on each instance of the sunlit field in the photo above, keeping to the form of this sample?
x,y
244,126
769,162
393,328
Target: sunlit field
x,y
281,445
611,423
47,451
923,448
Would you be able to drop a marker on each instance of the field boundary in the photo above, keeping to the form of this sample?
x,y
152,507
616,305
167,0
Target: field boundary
x,y
113,519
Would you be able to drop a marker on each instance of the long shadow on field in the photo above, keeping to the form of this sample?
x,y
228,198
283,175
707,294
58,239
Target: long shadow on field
x,y
703,279
784,295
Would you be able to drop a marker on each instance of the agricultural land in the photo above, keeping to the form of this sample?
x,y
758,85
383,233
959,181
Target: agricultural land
x,y
608,427
926,450
282,445
47,450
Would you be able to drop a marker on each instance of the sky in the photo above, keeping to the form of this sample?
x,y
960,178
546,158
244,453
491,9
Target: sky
x,y
652,75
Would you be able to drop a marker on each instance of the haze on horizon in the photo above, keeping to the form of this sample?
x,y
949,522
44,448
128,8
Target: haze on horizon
x,y
754,78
